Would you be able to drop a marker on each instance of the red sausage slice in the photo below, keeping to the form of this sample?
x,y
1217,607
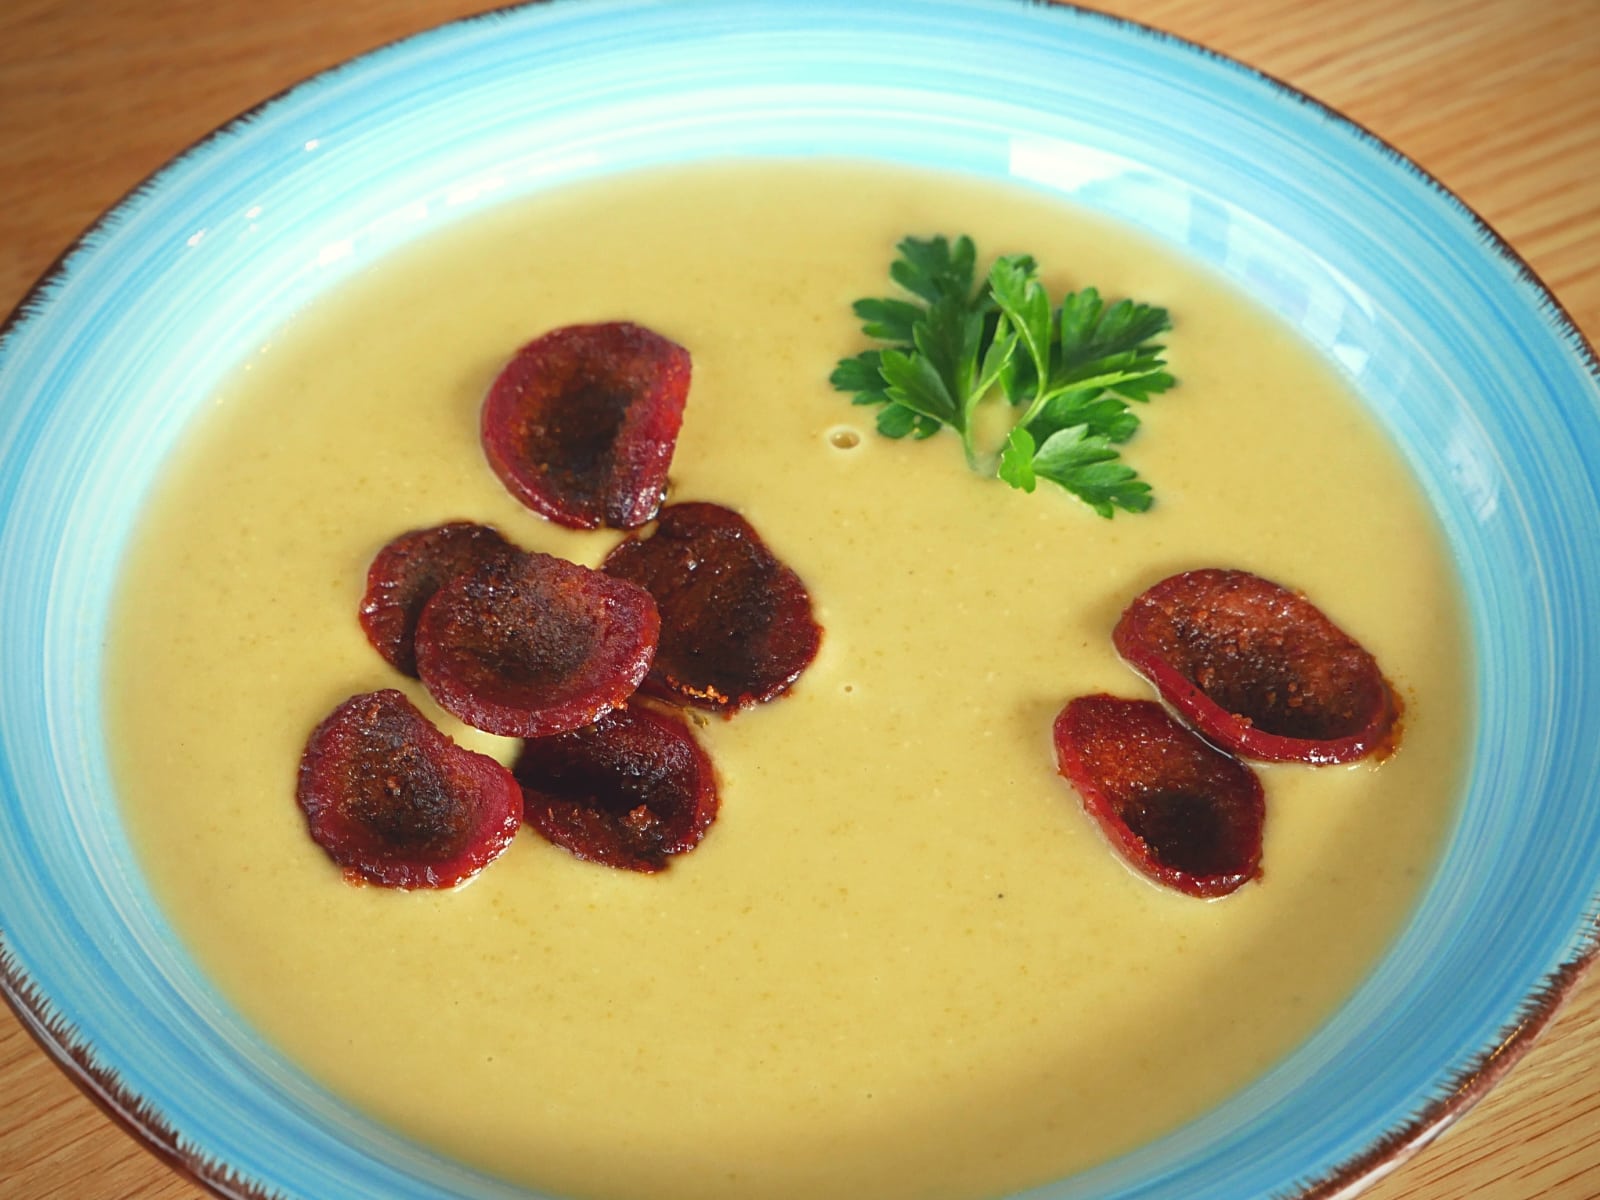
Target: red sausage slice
x,y
629,791
395,802
736,623
534,645
406,573
1183,813
1259,669
582,423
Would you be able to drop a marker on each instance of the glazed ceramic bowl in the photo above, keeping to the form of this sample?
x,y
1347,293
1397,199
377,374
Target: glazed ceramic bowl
x,y
1463,358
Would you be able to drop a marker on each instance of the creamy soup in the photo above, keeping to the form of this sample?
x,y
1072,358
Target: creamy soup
x,y
903,963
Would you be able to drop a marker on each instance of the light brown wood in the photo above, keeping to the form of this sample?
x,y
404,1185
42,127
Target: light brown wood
x,y
1500,99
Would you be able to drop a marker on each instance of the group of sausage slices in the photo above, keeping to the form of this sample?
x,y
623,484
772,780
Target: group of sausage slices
x,y
594,669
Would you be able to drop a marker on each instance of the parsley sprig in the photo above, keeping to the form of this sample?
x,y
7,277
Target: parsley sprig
x,y
1069,371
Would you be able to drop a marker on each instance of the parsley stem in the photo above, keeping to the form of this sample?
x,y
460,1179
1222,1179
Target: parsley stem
x,y
1036,406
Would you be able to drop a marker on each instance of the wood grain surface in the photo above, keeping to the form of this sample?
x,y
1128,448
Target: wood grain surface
x,y
1499,99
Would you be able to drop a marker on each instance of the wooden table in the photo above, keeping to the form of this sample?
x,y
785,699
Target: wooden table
x,y
1500,99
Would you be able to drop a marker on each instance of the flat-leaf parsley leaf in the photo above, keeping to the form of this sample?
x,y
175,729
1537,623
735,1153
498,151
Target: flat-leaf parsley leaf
x,y
1070,370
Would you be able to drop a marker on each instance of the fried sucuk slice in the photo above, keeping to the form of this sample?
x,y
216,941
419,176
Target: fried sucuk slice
x,y
533,645
395,802
582,422
1259,669
736,624
629,791
406,573
1179,810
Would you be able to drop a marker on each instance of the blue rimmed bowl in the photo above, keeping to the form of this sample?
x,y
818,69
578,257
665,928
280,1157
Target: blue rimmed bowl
x,y
1469,364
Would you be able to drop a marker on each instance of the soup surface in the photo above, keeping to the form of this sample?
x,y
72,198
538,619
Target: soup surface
x,y
903,963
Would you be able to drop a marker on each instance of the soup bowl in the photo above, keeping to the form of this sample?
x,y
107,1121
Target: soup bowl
x,y
1488,391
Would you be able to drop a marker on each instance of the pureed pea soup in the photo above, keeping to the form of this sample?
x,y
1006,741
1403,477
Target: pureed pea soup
x,y
903,963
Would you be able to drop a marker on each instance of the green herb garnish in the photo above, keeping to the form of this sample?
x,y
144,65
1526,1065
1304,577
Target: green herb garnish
x,y
1069,371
